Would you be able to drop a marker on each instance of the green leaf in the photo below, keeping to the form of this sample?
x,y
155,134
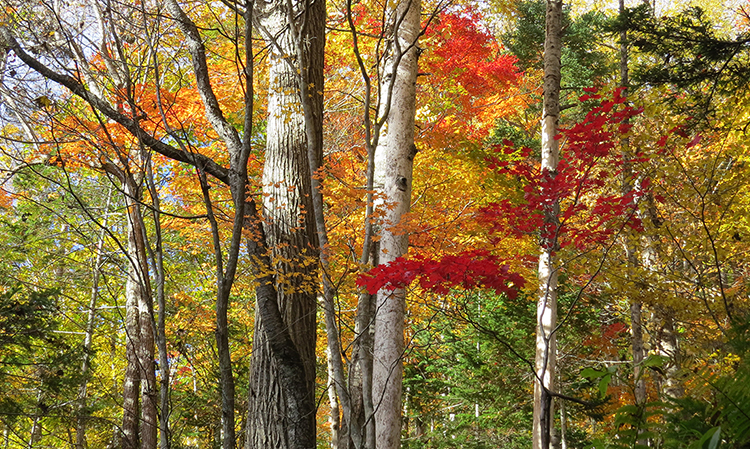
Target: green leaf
x,y
603,384
710,439
716,439
591,373
655,361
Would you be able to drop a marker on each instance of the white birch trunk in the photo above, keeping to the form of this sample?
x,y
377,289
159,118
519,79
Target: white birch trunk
x,y
335,418
394,158
548,266
668,347
631,248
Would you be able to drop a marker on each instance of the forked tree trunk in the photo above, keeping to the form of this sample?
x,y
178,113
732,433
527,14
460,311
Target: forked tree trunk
x,y
546,347
394,160
290,231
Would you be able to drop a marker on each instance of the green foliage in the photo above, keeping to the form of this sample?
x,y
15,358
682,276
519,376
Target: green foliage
x,y
635,426
505,130
604,377
37,364
712,416
721,407
687,52
583,64
466,365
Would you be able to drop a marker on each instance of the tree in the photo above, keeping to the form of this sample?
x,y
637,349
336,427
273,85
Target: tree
x,y
246,215
394,159
294,128
546,349
631,247
122,161
459,376
690,53
583,62
167,110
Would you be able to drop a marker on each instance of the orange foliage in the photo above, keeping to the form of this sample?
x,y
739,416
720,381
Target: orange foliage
x,y
468,82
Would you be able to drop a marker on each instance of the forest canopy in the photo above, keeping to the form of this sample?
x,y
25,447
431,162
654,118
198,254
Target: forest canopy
x,y
374,225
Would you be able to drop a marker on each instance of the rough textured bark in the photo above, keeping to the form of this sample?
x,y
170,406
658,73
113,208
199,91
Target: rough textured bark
x,y
293,375
288,218
139,389
308,35
394,158
300,411
548,266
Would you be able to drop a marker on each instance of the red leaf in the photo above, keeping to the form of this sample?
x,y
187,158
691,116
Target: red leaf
x,y
696,140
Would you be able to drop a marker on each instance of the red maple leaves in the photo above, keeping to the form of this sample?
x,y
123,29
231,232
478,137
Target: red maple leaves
x,y
471,56
582,185
585,187
473,269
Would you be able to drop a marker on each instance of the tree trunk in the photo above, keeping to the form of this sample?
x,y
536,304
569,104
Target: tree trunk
x,y
140,377
548,266
667,346
136,347
290,230
132,382
293,376
394,158
631,250
362,424
157,261
337,442
290,346
36,426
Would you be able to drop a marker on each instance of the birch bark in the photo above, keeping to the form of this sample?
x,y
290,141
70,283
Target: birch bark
x,y
546,346
394,158
631,249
